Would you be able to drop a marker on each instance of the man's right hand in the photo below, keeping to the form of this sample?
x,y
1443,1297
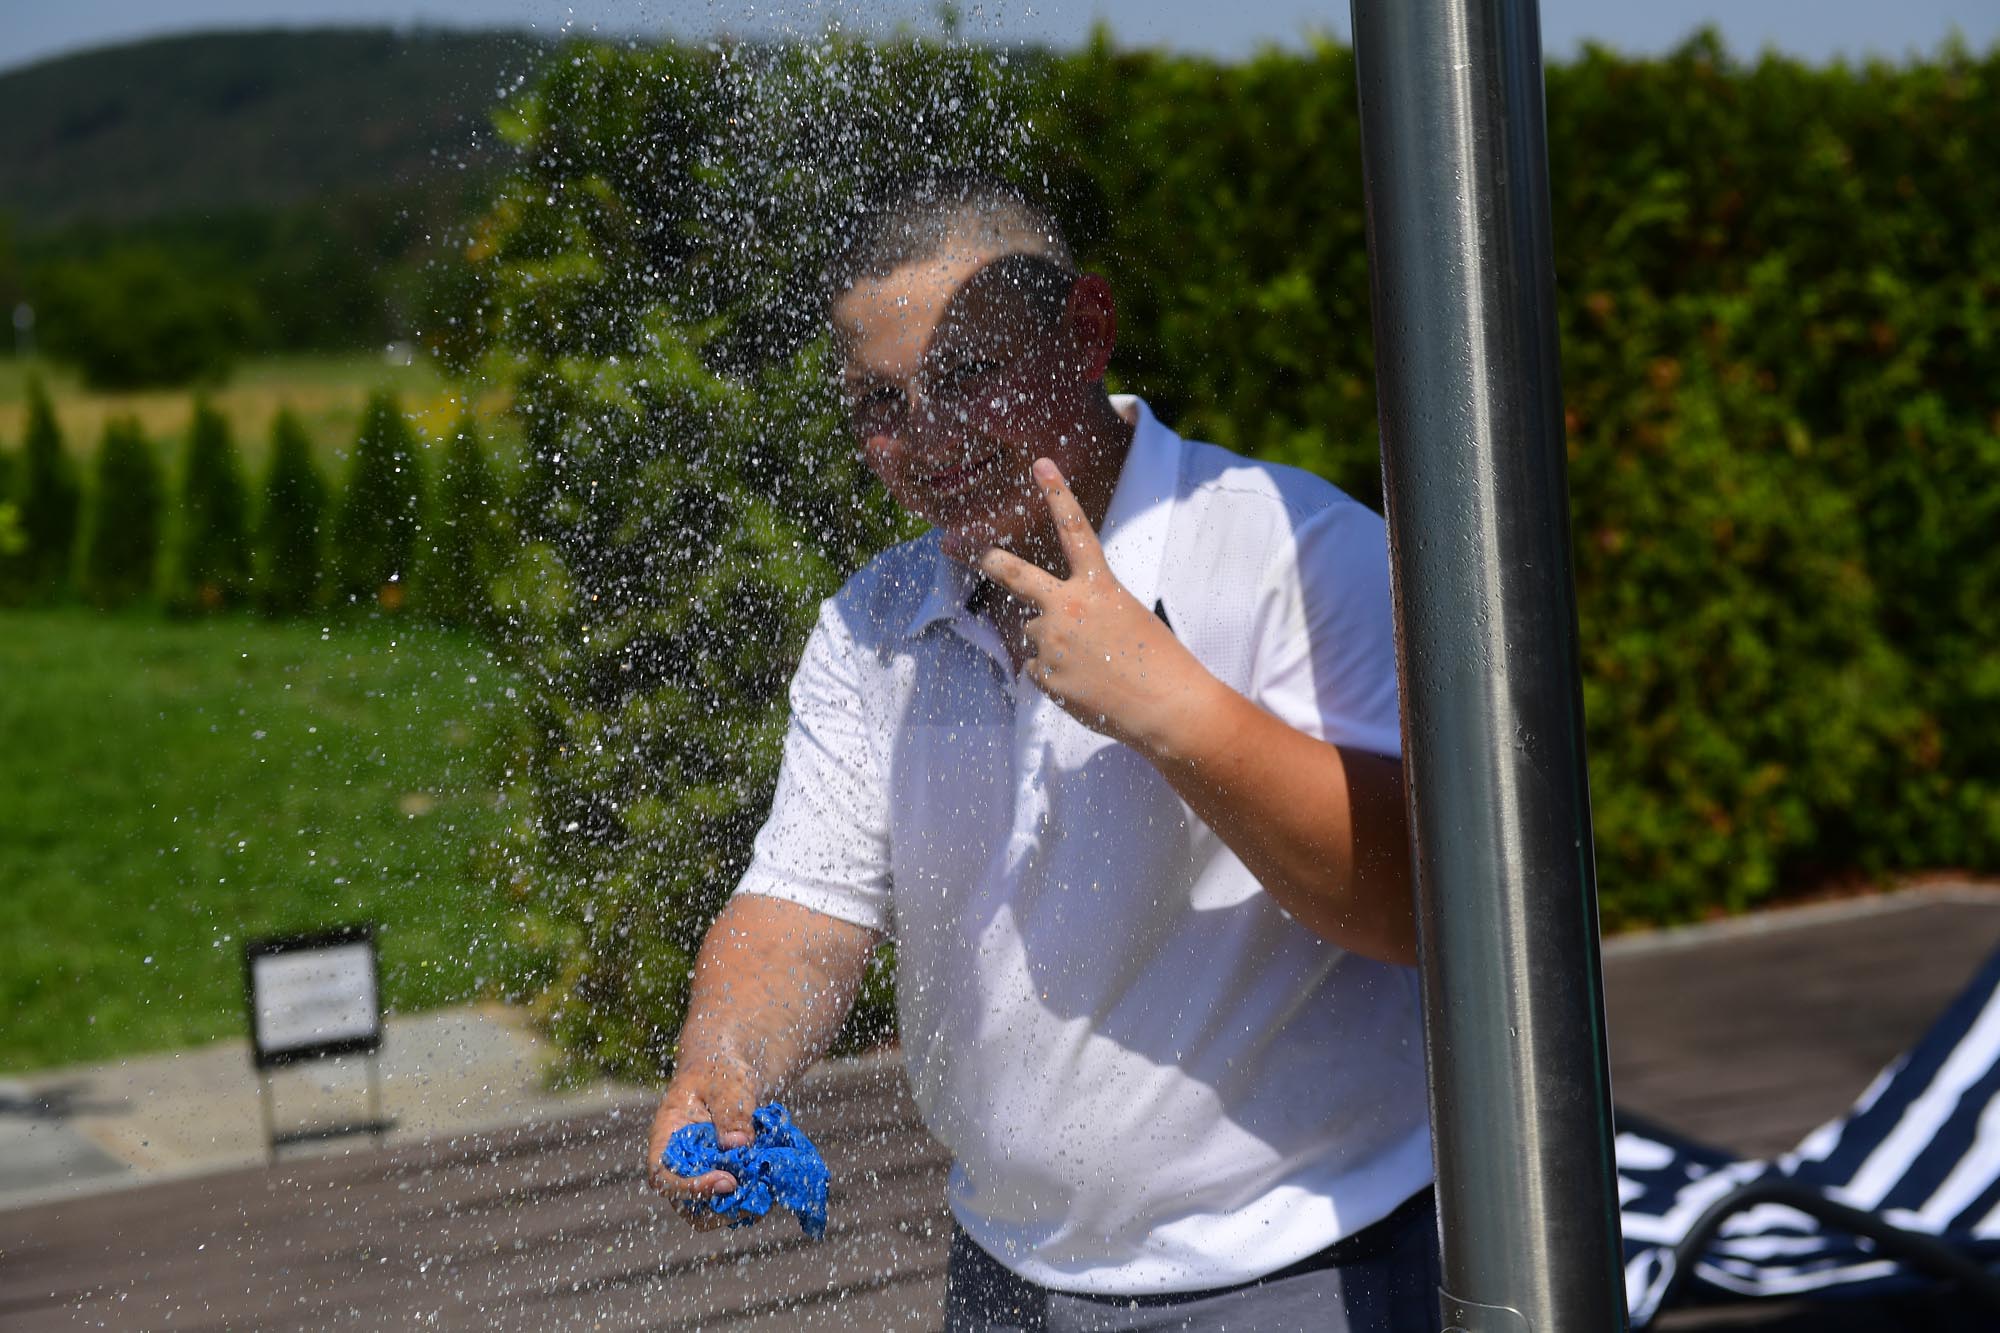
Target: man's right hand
x,y
771,984
714,1091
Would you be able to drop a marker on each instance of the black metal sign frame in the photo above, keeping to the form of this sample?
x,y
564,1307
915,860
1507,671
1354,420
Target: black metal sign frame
x,y
366,1044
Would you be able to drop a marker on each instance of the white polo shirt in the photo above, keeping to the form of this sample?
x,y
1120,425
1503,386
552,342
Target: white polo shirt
x,y
1151,1078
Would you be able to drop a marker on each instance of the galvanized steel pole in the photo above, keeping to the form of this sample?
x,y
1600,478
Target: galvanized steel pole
x,y
1455,158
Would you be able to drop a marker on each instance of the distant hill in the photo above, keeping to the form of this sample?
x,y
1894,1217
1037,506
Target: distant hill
x,y
224,122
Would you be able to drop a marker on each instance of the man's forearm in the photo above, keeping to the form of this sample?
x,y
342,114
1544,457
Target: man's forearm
x,y
772,984
1324,830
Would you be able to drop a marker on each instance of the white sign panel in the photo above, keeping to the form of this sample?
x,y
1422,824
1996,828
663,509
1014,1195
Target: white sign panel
x,y
312,997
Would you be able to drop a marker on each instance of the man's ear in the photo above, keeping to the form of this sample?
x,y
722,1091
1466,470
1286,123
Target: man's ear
x,y
1092,317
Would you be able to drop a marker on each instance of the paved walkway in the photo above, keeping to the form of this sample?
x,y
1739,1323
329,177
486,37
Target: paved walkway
x,y
91,1128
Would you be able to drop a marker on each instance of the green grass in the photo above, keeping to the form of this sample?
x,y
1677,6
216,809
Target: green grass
x,y
168,789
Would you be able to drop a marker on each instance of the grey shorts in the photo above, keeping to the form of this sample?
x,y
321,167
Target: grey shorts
x,y
1382,1278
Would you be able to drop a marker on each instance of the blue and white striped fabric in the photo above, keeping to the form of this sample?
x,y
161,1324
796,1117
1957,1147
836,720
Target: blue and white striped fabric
x,y
1920,1149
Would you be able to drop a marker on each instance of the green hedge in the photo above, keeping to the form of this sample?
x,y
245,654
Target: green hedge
x,y
1780,290
1780,294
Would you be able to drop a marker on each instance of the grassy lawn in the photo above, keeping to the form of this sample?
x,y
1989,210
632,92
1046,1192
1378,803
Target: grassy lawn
x,y
169,788
327,392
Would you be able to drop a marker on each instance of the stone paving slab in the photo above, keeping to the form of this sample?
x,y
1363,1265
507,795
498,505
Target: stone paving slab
x,y
89,1128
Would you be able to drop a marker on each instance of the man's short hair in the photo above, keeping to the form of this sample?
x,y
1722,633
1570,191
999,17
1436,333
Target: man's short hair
x,y
924,217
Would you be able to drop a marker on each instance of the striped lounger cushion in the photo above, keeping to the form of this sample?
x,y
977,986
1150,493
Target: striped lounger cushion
x,y
1919,1150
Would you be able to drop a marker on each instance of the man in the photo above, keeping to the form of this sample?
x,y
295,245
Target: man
x,y
1111,753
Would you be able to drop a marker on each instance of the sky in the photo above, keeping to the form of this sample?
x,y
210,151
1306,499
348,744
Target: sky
x,y
1816,30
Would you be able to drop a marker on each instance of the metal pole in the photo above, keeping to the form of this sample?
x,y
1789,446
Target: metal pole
x,y
1455,159
270,1120
375,1120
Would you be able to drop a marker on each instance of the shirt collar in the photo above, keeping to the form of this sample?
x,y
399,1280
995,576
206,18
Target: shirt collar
x,y
1134,532
952,585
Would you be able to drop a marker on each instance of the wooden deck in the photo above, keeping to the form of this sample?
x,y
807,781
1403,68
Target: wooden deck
x,y
1747,1040
1750,1038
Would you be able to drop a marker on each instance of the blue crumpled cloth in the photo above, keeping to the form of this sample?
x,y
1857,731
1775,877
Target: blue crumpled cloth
x,y
780,1166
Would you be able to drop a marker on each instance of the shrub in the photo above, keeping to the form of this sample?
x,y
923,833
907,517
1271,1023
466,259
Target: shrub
x,y
468,538
288,531
134,318
689,493
380,510
212,545
121,545
48,500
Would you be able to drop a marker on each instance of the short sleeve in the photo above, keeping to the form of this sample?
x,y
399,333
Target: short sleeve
x,y
826,843
1326,651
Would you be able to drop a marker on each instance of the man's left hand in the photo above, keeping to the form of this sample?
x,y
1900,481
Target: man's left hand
x,y
1107,660
1323,830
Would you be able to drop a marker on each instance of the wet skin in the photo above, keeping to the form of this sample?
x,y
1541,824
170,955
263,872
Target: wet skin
x,y
956,383
981,416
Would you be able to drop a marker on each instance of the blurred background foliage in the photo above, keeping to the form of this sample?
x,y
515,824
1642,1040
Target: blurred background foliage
x,y
173,205
1780,295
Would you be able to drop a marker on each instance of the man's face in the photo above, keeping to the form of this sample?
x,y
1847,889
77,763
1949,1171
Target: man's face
x,y
956,379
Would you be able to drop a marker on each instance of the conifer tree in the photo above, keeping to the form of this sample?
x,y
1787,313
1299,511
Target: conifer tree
x,y
288,531
122,540
48,504
11,540
380,511
467,537
212,545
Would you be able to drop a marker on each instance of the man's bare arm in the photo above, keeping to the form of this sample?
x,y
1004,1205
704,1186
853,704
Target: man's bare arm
x,y
772,984
1324,829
